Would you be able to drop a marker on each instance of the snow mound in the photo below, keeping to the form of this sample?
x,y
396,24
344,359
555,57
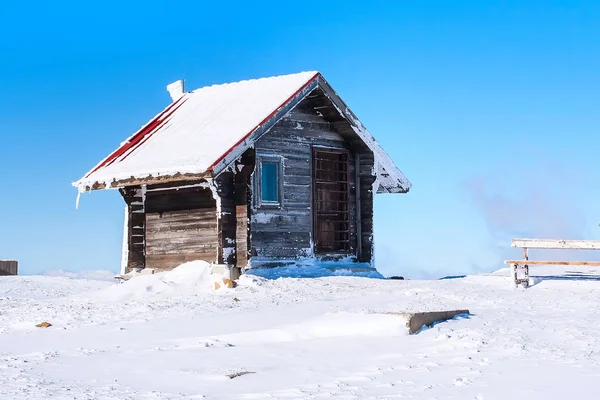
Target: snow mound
x,y
250,280
329,325
190,277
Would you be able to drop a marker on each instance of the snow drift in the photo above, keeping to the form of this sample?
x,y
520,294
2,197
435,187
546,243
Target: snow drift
x,y
188,278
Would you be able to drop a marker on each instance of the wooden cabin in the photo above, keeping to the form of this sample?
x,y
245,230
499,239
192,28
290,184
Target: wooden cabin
x,y
257,173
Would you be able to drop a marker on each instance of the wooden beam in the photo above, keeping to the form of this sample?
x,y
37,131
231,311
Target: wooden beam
x,y
357,206
149,180
536,262
556,244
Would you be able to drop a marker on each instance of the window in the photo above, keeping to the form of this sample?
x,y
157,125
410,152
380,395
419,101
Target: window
x,y
269,182
269,178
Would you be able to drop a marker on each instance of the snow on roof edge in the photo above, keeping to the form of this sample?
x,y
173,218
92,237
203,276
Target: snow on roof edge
x,y
84,184
389,176
382,159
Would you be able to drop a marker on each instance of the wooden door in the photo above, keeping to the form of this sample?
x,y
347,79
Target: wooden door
x,y
331,205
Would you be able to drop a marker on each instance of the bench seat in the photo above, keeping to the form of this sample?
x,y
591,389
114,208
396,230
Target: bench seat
x,y
536,262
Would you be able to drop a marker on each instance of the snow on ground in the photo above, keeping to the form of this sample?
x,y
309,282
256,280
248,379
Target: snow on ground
x,y
172,337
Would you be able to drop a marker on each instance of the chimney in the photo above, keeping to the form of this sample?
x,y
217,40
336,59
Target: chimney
x,y
175,89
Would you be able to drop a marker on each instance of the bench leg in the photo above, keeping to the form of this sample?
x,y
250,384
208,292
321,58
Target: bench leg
x,y
525,280
525,268
522,270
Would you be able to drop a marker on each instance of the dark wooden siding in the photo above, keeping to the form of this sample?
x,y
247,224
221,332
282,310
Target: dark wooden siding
x,y
184,196
174,237
243,197
366,179
287,232
134,196
227,219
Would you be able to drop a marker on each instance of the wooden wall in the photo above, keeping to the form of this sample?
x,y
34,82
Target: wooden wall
x,y
286,232
175,237
9,267
170,224
366,179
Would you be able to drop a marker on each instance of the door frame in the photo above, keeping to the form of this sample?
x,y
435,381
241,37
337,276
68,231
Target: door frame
x,y
331,150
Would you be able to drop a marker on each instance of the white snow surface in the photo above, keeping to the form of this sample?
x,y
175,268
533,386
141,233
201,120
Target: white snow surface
x,y
100,274
300,338
209,122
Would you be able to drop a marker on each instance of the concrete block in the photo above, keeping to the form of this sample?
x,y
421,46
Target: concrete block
x,y
415,321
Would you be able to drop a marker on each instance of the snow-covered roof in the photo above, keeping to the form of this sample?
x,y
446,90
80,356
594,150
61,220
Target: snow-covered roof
x,y
199,131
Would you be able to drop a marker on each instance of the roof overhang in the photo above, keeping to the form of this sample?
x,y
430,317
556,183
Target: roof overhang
x,y
148,180
389,178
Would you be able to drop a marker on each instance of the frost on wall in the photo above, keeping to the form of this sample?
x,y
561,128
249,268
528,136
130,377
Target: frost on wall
x,y
228,252
263,218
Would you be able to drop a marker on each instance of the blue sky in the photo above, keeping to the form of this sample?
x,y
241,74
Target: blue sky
x,y
491,108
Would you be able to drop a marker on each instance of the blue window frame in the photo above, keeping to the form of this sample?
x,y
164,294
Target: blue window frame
x,y
268,188
270,182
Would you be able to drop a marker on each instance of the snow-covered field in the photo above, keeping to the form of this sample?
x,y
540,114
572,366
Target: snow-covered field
x,y
173,337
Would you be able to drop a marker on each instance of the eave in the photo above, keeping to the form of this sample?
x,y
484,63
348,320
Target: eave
x,y
149,180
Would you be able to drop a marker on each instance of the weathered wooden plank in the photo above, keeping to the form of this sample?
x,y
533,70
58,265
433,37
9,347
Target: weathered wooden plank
x,y
181,226
279,252
9,267
300,180
181,221
226,250
202,236
182,232
556,244
185,249
538,262
175,221
298,195
182,247
241,235
310,133
365,184
282,222
182,199
150,180
170,261
290,239
177,185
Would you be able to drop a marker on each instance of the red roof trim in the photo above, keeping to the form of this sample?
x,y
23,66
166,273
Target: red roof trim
x,y
268,117
161,119
142,135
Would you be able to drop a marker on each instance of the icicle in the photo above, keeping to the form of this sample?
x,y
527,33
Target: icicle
x,y
213,188
80,190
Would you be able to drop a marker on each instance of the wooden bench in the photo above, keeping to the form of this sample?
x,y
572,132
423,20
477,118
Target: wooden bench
x,y
520,268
